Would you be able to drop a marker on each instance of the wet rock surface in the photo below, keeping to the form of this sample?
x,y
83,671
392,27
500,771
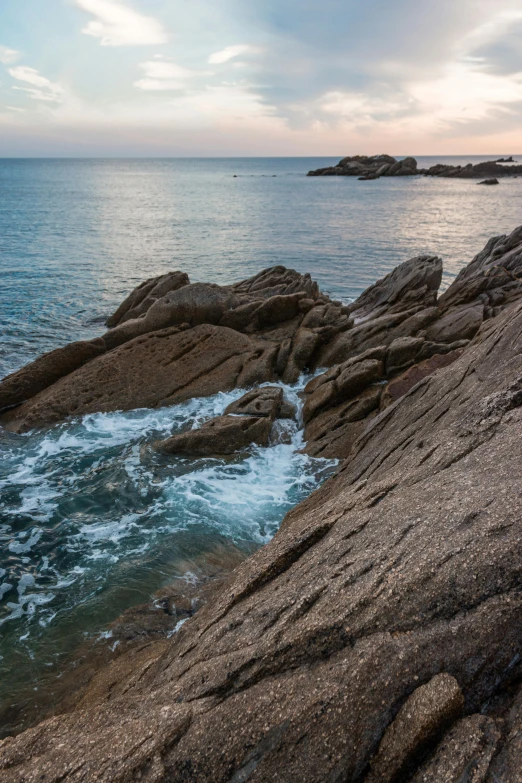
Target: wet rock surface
x,y
247,421
378,636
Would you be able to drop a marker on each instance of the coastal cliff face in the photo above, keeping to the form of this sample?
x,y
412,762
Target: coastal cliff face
x,y
378,637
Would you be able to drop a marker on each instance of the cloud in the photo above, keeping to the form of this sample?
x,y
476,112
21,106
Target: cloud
x,y
497,44
8,56
42,89
117,25
229,52
161,75
326,77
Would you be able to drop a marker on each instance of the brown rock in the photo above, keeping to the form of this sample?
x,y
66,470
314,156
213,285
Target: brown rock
x,y
506,766
46,370
222,435
161,368
487,168
333,433
366,168
194,304
374,333
427,713
402,352
458,324
141,299
464,754
266,401
352,379
397,569
399,386
494,277
245,421
272,305
413,283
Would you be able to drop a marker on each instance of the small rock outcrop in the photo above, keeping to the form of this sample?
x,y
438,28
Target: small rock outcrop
x,y
465,753
222,435
489,169
247,421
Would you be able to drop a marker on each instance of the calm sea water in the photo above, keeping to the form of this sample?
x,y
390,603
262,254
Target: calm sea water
x,y
91,520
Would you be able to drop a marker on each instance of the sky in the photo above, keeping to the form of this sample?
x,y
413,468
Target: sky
x,y
260,77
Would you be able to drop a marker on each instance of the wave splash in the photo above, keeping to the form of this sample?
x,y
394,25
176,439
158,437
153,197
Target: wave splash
x,y
93,520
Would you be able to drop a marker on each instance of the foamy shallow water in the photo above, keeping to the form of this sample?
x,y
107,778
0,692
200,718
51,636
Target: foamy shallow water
x,y
93,520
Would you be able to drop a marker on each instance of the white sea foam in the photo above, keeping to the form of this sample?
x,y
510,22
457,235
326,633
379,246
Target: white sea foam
x,y
90,497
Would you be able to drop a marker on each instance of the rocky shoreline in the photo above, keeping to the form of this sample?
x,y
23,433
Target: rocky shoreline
x,y
376,166
378,637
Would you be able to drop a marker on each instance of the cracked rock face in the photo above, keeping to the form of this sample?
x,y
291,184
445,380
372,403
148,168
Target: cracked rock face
x,y
378,636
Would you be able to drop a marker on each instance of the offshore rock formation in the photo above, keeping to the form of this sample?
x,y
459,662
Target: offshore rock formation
x,y
378,637
367,168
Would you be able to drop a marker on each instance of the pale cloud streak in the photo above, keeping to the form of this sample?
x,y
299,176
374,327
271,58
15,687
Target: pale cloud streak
x,y
42,89
161,75
8,56
312,80
115,24
229,53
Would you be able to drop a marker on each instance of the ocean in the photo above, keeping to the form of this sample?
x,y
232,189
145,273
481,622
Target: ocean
x,y
92,521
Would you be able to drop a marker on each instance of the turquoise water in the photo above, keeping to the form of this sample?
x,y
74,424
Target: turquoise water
x,y
92,520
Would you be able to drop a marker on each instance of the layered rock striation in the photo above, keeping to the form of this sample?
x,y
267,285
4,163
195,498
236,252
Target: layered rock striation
x,y
378,637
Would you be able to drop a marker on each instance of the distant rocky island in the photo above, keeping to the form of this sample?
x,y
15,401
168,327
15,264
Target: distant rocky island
x,y
377,638
367,168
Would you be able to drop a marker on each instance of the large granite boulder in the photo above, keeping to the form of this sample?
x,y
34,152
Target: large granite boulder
x,y
286,317
46,370
161,368
267,299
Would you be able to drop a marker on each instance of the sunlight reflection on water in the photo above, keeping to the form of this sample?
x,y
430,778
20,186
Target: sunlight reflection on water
x,y
77,235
